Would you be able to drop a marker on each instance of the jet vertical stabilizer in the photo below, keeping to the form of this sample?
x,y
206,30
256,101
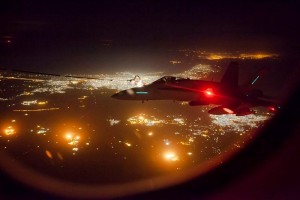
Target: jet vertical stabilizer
x,y
231,76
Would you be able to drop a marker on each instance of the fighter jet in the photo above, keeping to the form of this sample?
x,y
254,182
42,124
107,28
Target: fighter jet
x,y
227,95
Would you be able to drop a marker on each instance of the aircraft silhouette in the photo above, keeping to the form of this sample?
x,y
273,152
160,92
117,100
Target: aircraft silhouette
x,y
229,97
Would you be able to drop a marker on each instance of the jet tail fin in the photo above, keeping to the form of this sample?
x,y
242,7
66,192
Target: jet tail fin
x,y
231,76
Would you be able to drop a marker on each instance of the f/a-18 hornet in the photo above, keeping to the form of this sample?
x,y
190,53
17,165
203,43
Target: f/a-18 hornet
x,y
227,95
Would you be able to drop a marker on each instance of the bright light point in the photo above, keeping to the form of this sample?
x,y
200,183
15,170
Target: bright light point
x,y
209,92
9,131
189,153
271,108
13,120
74,81
171,156
128,144
48,154
73,139
113,122
150,133
42,102
167,142
141,118
75,149
71,143
69,136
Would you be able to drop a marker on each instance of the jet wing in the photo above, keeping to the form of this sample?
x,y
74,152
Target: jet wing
x,y
244,108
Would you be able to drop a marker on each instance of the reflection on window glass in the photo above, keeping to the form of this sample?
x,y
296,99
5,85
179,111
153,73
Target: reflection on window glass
x,y
71,128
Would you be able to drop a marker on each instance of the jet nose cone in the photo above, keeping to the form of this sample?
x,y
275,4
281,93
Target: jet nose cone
x,y
124,95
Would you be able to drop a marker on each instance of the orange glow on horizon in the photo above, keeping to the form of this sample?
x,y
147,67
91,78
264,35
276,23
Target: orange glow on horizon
x,y
255,56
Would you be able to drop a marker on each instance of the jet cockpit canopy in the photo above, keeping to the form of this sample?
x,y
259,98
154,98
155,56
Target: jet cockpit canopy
x,y
169,79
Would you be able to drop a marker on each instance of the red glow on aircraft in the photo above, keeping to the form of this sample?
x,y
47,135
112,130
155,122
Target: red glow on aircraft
x,y
209,92
229,111
271,108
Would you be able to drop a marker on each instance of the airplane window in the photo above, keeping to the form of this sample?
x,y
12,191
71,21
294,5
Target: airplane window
x,y
71,130
72,125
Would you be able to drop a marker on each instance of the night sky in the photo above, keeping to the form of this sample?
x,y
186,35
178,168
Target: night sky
x,y
94,36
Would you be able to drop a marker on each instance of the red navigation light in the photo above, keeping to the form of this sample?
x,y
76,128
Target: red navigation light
x,y
209,92
271,108
229,111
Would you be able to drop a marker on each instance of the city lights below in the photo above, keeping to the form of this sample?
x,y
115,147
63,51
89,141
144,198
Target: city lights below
x,y
113,122
40,130
42,102
239,123
199,71
34,102
64,127
82,98
28,103
144,119
174,62
37,110
72,139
